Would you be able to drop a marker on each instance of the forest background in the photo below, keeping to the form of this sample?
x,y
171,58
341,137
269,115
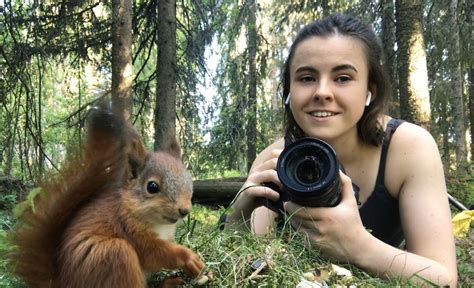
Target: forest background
x,y
208,72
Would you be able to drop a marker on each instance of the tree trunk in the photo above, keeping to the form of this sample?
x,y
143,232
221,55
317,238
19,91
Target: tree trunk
x,y
388,40
11,136
325,8
165,109
471,108
252,82
122,57
445,132
457,101
412,68
471,76
39,143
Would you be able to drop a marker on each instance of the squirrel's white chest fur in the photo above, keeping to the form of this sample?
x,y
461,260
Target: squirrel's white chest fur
x,y
165,231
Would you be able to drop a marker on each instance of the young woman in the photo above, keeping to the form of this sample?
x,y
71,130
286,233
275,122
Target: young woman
x,y
335,89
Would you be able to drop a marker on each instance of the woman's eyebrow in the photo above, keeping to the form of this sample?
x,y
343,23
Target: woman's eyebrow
x,y
307,69
334,69
344,67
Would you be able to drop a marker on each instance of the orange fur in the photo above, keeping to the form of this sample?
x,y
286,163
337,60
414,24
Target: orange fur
x,y
98,223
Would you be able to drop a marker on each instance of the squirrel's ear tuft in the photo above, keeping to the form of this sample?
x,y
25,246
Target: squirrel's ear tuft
x,y
136,153
173,148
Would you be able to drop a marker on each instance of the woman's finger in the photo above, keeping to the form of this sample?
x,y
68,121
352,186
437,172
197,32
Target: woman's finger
x,y
303,213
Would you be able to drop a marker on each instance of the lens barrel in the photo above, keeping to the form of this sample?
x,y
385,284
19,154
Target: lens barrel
x,y
309,172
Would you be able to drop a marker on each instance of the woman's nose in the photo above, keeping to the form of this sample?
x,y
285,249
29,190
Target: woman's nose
x,y
323,91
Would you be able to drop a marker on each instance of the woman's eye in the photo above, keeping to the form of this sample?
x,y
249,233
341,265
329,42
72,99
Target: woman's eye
x,y
307,79
152,187
342,79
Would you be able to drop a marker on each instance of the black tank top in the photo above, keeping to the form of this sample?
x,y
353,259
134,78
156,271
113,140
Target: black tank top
x,y
380,213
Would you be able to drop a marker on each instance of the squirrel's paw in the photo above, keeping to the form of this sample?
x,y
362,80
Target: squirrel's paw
x,y
192,264
171,282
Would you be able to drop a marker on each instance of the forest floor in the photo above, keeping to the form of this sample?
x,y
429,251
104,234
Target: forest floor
x,y
235,259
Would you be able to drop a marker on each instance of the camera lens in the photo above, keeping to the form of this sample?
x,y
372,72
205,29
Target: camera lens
x,y
308,171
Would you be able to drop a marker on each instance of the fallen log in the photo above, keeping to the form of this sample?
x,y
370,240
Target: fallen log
x,y
216,192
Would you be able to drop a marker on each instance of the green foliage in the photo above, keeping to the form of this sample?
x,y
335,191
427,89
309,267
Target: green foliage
x,y
8,200
465,258
7,222
29,202
462,189
6,278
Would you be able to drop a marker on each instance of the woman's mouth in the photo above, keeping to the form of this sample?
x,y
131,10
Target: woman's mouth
x,y
322,114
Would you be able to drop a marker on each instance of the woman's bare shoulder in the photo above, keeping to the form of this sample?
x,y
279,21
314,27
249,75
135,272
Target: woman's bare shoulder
x,y
413,156
411,136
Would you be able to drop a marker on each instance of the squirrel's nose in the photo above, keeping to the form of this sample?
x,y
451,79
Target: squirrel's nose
x,y
183,211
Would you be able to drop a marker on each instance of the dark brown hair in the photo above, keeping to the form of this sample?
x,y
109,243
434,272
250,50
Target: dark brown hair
x,y
369,129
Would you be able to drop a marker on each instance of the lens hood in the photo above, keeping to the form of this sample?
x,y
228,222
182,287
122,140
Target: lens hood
x,y
309,172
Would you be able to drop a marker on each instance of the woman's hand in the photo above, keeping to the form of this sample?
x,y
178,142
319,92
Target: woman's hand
x,y
337,231
262,171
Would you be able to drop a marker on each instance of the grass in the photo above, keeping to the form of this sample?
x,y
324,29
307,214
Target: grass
x,y
229,255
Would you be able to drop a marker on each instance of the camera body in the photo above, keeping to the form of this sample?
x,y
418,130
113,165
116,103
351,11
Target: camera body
x,y
308,170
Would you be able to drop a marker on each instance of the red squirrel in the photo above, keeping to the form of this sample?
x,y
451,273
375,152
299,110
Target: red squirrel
x,y
109,217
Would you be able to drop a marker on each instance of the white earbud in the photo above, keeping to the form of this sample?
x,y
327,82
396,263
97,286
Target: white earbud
x,y
369,97
287,101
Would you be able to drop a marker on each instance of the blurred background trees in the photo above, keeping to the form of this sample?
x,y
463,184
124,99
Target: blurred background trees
x,y
208,71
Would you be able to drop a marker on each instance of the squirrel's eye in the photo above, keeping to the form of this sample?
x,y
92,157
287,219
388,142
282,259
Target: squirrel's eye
x,y
152,187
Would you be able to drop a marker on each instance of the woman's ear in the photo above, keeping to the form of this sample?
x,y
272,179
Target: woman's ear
x,y
368,98
371,94
287,101
373,90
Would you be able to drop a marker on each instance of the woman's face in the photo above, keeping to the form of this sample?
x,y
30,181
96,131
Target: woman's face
x,y
328,86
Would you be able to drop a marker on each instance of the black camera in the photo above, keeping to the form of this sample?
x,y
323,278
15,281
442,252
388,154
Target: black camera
x,y
309,173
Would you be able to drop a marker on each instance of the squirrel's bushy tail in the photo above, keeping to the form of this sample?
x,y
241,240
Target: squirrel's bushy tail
x,y
39,230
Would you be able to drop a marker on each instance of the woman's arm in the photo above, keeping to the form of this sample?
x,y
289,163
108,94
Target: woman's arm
x,y
424,210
